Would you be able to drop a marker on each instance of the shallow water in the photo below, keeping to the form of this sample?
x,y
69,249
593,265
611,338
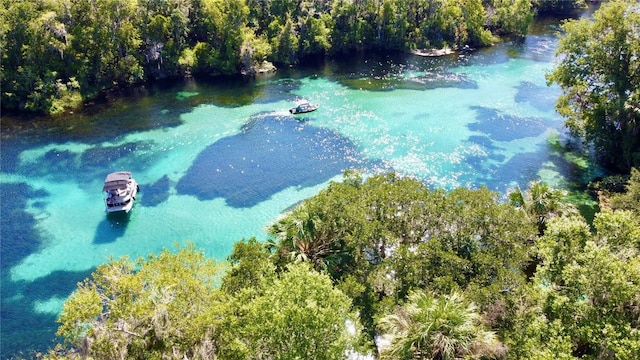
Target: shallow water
x,y
218,161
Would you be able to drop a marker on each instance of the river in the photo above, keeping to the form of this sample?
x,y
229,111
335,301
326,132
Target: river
x,y
219,160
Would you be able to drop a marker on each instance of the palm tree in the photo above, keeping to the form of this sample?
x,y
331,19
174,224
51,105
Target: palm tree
x,y
541,202
442,328
303,236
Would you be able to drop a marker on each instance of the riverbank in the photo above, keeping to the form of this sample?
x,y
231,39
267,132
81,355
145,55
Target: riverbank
x,y
433,52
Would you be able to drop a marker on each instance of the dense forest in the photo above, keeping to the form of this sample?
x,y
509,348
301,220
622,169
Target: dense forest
x,y
55,54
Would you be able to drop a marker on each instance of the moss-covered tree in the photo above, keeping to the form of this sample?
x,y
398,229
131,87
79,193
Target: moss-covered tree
x,y
385,236
599,74
167,305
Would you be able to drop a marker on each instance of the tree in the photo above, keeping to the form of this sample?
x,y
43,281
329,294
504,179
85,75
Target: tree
x,y
475,15
233,32
512,17
250,267
315,37
254,52
630,199
393,24
171,306
303,236
452,26
285,42
105,40
599,74
558,6
299,316
164,306
589,286
390,235
34,53
541,202
57,53
344,32
431,327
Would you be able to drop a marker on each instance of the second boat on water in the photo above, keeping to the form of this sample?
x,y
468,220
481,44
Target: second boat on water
x,y
304,107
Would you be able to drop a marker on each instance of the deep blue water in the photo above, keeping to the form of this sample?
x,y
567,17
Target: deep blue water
x,y
270,146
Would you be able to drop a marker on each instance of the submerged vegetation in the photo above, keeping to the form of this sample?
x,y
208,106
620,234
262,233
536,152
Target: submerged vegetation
x,y
386,267
57,53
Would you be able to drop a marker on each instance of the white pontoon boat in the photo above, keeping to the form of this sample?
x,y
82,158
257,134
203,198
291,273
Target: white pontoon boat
x,y
121,190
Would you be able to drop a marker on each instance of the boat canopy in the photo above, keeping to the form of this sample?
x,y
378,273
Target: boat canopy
x,y
116,180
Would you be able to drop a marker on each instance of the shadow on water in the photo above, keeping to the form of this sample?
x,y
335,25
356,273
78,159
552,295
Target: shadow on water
x,y
421,82
500,126
24,327
273,152
153,106
90,164
540,97
554,162
90,128
386,71
493,153
156,193
235,91
17,227
112,227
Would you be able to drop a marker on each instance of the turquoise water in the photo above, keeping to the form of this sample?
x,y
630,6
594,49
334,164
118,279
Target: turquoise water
x,y
219,161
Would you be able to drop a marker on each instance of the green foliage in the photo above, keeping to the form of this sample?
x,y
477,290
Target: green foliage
x,y
79,312
589,286
96,45
512,16
541,203
560,246
34,45
445,327
315,32
345,30
390,235
598,76
475,15
630,199
187,59
251,267
613,184
285,42
299,316
558,6
254,51
437,274
167,305
171,305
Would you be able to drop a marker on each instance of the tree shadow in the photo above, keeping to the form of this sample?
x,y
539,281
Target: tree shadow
x,y
28,318
541,98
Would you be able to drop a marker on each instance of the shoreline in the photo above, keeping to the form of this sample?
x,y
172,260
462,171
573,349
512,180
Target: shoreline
x,y
433,52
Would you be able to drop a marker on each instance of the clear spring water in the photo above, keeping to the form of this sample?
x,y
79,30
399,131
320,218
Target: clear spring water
x,y
218,161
